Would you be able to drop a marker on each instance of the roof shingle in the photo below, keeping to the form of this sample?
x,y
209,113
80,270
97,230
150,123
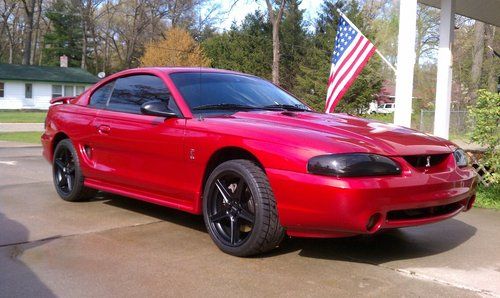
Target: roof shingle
x,y
46,74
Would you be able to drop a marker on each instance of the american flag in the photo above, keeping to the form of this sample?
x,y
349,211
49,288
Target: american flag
x,y
351,52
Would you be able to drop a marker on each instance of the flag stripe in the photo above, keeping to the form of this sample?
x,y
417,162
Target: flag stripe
x,y
347,63
351,52
342,69
340,83
352,78
344,58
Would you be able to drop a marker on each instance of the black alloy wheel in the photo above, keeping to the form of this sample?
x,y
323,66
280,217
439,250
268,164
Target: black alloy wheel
x,y
239,209
231,209
67,176
64,171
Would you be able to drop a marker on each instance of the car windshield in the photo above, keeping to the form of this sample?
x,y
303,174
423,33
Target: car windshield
x,y
208,92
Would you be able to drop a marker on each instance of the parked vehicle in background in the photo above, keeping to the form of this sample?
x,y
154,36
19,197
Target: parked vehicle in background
x,y
254,160
386,108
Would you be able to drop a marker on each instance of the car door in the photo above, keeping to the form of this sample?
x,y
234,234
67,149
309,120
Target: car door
x,y
140,153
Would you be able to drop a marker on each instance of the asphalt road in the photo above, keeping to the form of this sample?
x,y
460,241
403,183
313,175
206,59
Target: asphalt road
x,y
114,246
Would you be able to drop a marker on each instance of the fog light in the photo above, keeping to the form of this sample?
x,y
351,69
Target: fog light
x,y
374,222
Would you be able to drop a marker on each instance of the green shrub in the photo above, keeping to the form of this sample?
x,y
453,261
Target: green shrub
x,y
485,117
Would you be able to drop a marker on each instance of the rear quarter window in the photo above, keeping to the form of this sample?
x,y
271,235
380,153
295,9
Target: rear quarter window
x,y
100,97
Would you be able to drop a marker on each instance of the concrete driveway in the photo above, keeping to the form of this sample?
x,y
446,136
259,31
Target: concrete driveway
x,y
114,246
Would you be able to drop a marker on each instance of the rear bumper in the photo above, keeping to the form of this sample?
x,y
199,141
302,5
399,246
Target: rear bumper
x,y
318,206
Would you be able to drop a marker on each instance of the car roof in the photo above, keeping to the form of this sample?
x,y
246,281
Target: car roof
x,y
170,70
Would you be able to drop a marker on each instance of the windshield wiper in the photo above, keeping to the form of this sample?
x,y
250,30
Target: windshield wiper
x,y
286,107
225,106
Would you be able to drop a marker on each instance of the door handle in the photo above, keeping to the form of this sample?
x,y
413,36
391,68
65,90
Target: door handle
x,y
104,129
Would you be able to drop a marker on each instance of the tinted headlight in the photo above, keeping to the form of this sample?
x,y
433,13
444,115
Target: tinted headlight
x,y
353,165
461,158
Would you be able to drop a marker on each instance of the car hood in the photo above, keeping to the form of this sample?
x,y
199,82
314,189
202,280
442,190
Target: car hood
x,y
364,135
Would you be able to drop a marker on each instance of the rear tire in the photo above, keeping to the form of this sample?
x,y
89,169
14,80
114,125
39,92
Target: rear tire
x,y
67,175
239,209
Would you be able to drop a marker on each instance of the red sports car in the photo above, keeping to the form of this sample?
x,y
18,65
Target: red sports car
x,y
253,159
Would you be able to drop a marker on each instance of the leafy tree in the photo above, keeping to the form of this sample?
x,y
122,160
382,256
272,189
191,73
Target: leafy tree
x,y
247,49
65,36
485,116
177,49
293,44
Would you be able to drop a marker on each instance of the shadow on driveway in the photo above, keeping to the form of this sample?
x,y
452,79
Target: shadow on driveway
x,y
16,278
383,247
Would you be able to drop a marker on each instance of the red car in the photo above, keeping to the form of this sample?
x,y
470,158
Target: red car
x,y
253,159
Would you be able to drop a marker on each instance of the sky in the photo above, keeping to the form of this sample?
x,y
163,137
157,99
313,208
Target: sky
x,y
244,7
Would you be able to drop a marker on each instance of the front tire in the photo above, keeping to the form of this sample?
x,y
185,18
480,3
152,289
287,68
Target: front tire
x,y
67,175
240,210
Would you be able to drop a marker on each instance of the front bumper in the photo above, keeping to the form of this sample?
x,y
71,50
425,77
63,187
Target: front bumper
x,y
318,206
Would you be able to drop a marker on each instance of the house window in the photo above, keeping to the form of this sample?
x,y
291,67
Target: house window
x,y
56,91
28,91
79,90
69,90
2,86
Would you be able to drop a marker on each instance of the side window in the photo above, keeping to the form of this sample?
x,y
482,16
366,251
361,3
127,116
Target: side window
x,y
56,91
133,91
28,90
100,97
68,90
2,86
79,90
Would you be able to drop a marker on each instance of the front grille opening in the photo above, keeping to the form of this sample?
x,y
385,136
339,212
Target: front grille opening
x,y
423,212
425,161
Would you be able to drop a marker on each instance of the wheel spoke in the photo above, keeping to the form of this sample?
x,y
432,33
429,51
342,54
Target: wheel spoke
x,y
219,216
69,181
60,180
223,190
235,230
59,163
246,215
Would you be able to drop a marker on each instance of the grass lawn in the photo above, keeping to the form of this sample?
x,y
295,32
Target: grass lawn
x,y
17,116
387,118
488,197
24,137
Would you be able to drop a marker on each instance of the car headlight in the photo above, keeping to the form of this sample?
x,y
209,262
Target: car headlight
x,y
461,158
353,165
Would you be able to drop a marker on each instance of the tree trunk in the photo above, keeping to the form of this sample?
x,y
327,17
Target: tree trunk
x,y
276,55
37,32
84,44
491,59
477,60
275,19
29,8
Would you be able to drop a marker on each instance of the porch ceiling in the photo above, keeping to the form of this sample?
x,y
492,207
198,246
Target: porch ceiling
x,y
487,11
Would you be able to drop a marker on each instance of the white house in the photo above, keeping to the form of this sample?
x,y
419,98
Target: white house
x,y
32,87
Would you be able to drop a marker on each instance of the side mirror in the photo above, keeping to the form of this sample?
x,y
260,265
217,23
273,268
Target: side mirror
x,y
157,108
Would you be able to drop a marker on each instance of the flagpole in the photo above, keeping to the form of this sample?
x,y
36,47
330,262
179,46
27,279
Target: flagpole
x,y
376,50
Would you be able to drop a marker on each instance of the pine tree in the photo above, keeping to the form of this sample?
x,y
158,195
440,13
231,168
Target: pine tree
x,y
65,35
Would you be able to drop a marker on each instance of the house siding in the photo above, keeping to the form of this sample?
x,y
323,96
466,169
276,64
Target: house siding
x,y
14,95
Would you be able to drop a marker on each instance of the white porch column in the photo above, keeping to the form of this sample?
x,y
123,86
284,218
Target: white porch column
x,y
406,61
444,71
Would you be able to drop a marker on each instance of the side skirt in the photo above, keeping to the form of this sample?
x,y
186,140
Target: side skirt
x,y
140,195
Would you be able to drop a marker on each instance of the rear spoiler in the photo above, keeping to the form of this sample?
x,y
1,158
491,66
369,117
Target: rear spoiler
x,y
64,99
